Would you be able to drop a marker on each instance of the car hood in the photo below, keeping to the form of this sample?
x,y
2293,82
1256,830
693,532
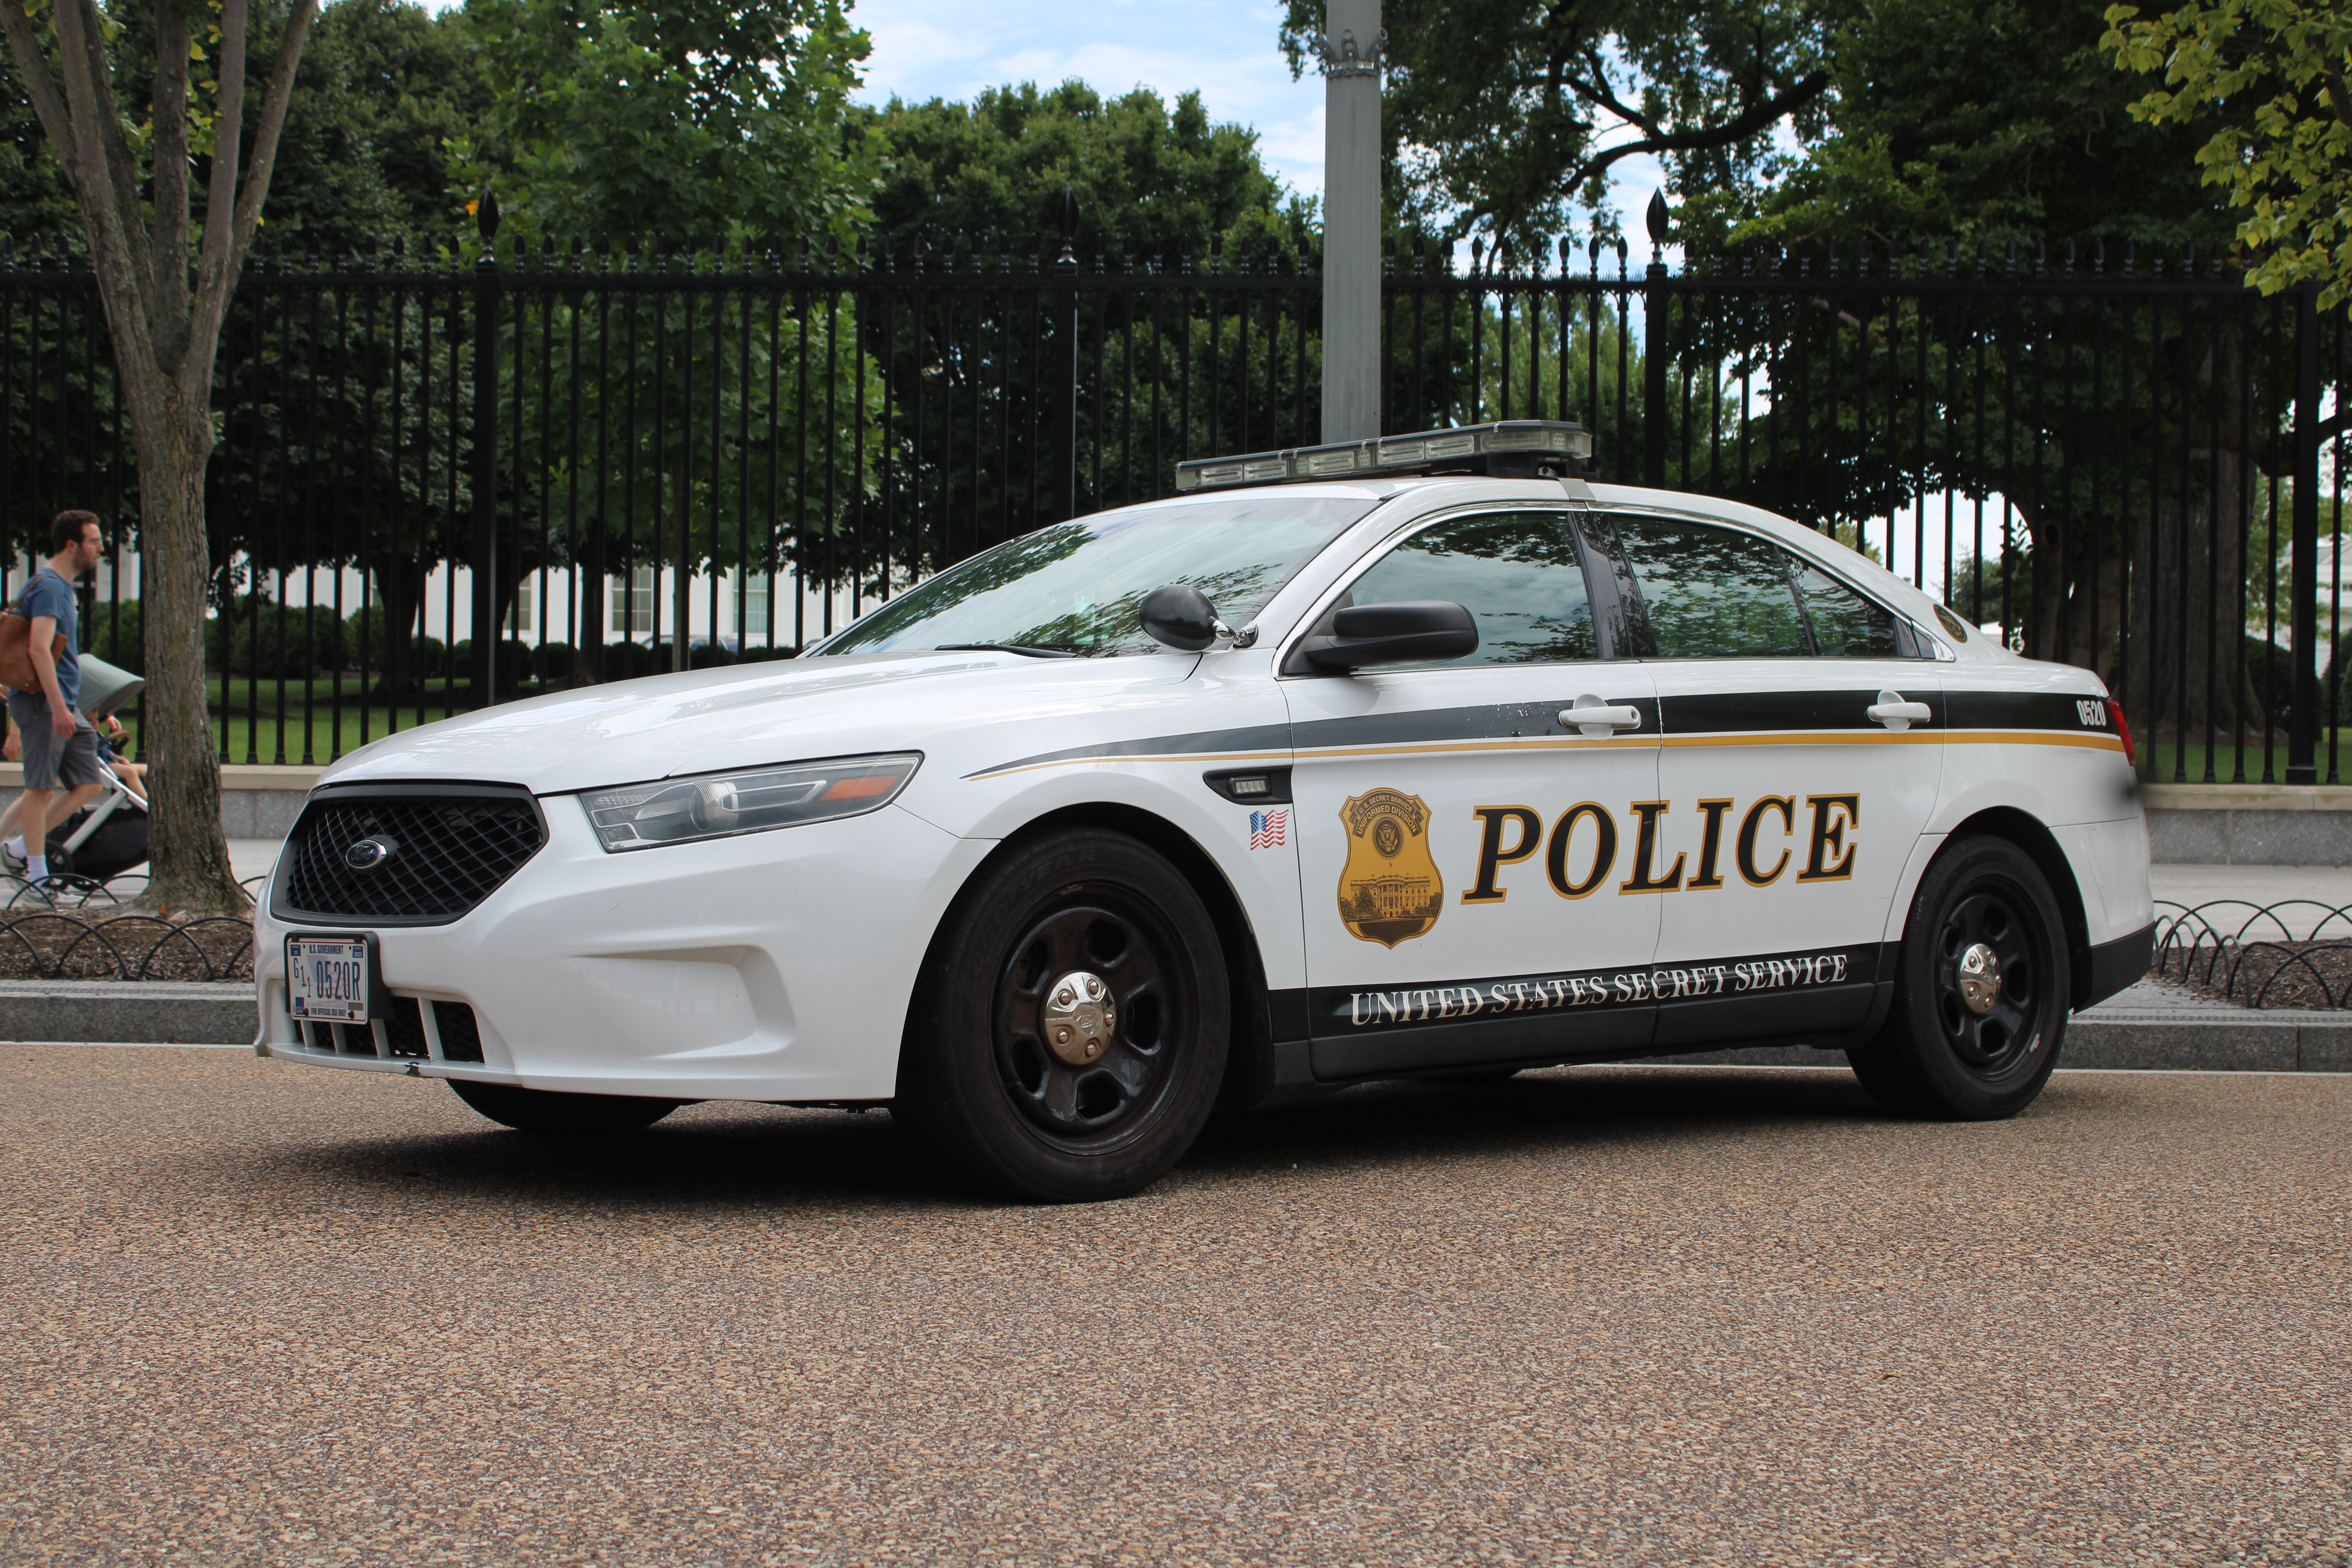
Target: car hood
x,y
704,720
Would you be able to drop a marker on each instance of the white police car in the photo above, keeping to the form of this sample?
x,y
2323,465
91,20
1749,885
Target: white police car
x,y
1403,757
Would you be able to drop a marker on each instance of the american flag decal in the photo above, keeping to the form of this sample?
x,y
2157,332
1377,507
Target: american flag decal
x,y
1268,829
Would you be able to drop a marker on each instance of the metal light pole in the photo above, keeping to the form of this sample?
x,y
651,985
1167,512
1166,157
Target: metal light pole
x,y
1350,47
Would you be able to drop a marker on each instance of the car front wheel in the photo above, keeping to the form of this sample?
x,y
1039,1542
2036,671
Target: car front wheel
x,y
1069,1029
1980,993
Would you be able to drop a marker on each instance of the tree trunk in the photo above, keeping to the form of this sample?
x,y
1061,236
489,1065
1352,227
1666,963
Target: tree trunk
x,y
588,663
401,591
2078,619
2188,623
188,867
508,590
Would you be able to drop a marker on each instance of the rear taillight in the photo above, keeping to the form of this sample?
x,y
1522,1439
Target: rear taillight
x,y
2123,728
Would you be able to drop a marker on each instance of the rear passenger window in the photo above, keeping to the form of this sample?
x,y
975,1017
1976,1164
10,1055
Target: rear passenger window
x,y
1713,593
1517,573
1846,625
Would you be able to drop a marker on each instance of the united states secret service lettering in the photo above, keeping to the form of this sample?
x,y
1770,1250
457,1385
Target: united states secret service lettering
x,y
1420,1005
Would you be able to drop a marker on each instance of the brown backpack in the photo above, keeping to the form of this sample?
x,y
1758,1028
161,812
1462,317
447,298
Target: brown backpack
x,y
17,653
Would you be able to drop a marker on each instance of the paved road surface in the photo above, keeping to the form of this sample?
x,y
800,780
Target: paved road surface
x,y
266,1313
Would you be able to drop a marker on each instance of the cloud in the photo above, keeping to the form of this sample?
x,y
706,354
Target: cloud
x,y
1223,48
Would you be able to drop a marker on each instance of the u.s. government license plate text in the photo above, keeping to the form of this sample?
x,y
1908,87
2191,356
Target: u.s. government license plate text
x,y
327,978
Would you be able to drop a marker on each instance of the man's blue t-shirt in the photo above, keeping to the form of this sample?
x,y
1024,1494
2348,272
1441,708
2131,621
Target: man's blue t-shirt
x,y
51,594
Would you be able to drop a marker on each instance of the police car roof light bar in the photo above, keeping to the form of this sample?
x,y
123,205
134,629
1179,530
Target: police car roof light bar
x,y
1507,448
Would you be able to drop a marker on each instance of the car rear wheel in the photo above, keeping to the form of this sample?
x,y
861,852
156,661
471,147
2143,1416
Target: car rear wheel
x,y
562,1115
1070,1026
1981,993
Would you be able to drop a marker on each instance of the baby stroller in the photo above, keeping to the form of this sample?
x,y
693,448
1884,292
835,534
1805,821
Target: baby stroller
x,y
104,839
109,835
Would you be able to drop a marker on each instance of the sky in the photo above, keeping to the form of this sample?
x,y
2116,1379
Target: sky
x,y
1225,48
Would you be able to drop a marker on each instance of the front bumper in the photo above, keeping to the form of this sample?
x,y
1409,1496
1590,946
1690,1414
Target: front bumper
x,y
773,966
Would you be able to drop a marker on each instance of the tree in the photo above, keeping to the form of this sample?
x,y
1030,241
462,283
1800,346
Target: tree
x,y
2013,126
1146,175
363,156
671,116
36,203
385,86
165,282
1496,111
2290,170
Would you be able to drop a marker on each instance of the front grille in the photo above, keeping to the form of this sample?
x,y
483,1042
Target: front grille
x,y
461,1039
450,852
404,1032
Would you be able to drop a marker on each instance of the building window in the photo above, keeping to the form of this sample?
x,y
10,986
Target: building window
x,y
633,603
519,619
755,608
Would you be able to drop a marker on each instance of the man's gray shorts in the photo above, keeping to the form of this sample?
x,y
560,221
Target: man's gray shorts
x,y
50,759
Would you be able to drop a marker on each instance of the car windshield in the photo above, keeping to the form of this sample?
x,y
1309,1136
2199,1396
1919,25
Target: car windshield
x,y
1072,587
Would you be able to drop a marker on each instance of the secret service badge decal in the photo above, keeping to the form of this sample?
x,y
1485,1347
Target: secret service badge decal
x,y
1390,890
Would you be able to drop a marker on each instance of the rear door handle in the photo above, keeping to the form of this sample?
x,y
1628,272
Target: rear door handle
x,y
1893,712
1597,720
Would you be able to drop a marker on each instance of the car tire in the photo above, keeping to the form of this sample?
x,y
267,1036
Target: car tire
x,y
551,1114
1008,1081
1960,1044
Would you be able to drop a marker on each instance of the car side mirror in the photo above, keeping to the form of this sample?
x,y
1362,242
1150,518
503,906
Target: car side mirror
x,y
1181,617
1409,631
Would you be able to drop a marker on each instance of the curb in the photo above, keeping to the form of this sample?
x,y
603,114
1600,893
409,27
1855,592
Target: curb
x,y
2198,1038
133,1012
2234,1041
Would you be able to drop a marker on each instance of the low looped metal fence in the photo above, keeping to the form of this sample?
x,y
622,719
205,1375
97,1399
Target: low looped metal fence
x,y
78,928
2293,953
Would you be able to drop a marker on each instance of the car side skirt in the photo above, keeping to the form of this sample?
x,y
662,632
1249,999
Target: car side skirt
x,y
2114,965
1832,999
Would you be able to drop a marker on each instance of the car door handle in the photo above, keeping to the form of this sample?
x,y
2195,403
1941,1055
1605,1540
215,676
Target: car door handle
x,y
1597,720
1891,711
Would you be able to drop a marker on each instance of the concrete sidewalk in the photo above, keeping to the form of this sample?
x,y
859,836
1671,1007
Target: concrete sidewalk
x,y
2227,898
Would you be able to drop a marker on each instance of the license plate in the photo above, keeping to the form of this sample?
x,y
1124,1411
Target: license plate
x,y
327,979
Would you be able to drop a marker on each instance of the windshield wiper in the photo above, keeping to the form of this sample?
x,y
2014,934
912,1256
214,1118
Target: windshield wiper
x,y
1023,648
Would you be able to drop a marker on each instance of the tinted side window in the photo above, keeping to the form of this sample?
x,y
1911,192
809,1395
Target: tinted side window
x,y
1516,572
1712,593
1846,625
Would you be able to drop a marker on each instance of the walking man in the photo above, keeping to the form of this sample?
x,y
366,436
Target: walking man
x,y
60,746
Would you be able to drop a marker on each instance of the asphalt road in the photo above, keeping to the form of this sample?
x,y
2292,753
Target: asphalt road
x,y
259,1312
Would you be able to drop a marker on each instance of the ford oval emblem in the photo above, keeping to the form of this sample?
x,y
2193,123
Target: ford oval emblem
x,y
370,853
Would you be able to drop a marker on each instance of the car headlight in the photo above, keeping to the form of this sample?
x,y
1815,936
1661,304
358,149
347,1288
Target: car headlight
x,y
722,806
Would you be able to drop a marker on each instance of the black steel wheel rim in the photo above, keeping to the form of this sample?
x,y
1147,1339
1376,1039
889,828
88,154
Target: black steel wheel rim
x,y
1997,918
1108,932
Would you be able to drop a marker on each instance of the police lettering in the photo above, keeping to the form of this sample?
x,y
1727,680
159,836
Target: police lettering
x,y
1581,849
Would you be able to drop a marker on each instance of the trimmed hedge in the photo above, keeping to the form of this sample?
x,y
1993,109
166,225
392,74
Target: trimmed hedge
x,y
116,634
269,641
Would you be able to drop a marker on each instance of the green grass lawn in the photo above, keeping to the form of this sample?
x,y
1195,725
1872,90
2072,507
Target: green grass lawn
x,y
247,721
2163,763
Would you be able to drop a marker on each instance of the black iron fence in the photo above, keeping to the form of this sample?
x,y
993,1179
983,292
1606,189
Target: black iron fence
x,y
439,484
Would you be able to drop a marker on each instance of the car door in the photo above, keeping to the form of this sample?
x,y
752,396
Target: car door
x,y
1802,748
1459,824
